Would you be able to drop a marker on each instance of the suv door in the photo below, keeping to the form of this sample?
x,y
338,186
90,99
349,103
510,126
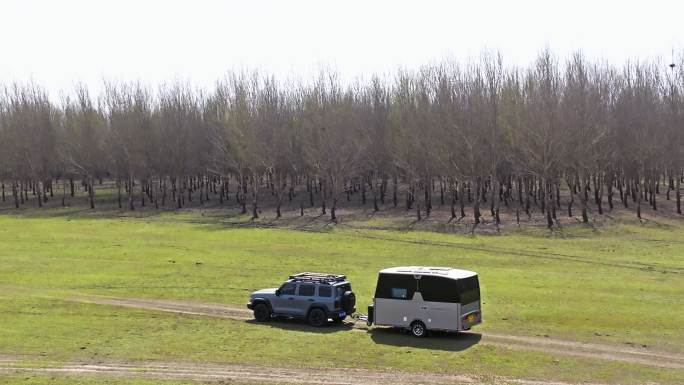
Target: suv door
x,y
306,294
285,302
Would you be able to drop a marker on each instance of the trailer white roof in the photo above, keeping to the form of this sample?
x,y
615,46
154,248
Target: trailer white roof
x,y
446,272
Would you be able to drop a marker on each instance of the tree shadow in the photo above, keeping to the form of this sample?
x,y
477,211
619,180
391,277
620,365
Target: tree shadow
x,y
436,340
296,324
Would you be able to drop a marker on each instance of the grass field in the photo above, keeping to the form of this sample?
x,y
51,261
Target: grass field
x,y
621,284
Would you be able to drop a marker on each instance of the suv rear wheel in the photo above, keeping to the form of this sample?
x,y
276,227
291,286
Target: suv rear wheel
x,y
262,313
317,317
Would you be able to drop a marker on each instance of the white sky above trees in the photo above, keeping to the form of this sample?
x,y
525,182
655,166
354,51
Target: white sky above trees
x,y
57,43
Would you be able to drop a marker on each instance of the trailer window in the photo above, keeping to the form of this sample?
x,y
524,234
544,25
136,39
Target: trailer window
x,y
469,289
395,286
438,289
399,293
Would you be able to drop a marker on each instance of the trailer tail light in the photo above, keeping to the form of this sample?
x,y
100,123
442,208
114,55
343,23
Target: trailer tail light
x,y
471,319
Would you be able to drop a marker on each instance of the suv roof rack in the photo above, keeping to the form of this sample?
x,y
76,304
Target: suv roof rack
x,y
318,277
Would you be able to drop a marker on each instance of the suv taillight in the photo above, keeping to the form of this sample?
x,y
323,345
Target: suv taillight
x,y
337,304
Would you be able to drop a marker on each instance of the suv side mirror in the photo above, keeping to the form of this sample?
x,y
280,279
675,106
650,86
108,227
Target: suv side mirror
x,y
277,292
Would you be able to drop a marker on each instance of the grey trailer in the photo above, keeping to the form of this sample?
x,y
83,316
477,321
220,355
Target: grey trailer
x,y
420,298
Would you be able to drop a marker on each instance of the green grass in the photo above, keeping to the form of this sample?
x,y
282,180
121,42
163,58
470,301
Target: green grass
x,y
622,284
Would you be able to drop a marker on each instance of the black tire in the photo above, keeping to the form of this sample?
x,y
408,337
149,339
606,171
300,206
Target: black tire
x,y
262,313
418,329
317,317
348,302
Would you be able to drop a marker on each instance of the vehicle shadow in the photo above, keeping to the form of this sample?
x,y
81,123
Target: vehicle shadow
x,y
453,342
301,325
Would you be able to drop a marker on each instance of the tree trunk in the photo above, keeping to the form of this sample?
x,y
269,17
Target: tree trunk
x,y
545,203
279,199
142,193
654,192
497,204
375,200
395,188
494,191
527,199
154,193
452,188
40,194
310,189
255,196
441,191
428,198
583,200
64,192
206,189
131,205
333,208
638,202
163,192
118,190
91,192
678,197
363,193
323,200
476,206
572,196
598,193
15,194
462,200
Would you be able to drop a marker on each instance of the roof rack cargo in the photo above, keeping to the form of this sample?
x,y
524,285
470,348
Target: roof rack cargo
x,y
318,277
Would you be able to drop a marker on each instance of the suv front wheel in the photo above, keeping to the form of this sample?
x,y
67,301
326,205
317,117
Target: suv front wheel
x,y
262,313
317,317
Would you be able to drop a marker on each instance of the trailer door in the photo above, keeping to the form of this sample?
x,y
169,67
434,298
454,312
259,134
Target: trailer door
x,y
441,297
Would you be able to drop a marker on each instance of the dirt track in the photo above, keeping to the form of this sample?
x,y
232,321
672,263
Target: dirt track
x,y
553,346
208,372
246,373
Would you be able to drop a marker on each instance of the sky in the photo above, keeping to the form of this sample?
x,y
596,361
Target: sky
x,y
59,43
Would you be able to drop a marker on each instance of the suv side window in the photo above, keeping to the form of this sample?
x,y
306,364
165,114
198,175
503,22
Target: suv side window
x,y
306,290
324,291
288,289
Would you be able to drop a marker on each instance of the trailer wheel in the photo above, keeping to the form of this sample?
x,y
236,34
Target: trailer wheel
x,y
418,329
262,313
317,317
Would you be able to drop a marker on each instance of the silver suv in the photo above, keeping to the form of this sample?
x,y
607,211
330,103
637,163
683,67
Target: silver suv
x,y
315,297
